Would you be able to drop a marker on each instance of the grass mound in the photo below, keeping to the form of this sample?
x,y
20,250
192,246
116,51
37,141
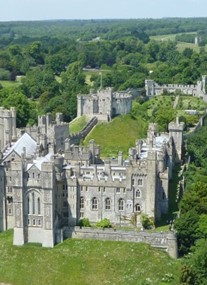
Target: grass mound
x,y
118,135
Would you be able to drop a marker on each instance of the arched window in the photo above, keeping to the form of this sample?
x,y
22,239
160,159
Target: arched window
x,y
138,193
81,202
108,204
94,203
137,208
121,204
38,206
33,203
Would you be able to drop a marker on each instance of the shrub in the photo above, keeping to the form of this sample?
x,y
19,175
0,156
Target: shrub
x,y
146,221
105,223
84,222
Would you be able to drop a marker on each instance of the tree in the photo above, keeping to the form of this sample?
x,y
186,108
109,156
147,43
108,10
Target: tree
x,y
163,117
194,270
13,97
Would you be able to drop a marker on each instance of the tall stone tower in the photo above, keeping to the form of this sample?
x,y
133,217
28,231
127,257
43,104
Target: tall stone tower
x,y
176,132
149,87
7,126
151,182
18,201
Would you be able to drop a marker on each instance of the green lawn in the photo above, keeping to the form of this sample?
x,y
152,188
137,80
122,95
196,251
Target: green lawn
x,y
118,135
168,36
182,45
85,262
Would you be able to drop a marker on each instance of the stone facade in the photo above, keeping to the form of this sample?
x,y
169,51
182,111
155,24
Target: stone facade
x,y
199,90
47,183
104,104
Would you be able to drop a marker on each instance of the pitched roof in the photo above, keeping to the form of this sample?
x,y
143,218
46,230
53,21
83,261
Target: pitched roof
x,y
27,142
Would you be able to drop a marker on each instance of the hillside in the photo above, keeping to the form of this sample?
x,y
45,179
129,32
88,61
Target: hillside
x,y
118,135
85,262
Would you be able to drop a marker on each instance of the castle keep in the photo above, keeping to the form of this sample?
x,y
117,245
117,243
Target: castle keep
x,y
46,183
104,104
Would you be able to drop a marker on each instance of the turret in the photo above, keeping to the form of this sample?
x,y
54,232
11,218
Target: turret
x,y
151,182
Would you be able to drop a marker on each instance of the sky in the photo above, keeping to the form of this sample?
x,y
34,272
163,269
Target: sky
x,y
16,10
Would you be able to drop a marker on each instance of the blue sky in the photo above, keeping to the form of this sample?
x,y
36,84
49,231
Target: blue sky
x,y
99,9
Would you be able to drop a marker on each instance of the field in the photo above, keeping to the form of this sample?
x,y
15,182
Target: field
x,y
85,262
180,45
118,135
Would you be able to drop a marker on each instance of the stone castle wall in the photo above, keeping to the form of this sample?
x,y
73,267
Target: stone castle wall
x,y
76,138
152,88
166,241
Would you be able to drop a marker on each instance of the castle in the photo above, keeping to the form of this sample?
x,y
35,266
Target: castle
x,y
47,184
199,90
104,104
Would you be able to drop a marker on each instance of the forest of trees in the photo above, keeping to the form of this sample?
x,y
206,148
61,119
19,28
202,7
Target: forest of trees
x,y
50,57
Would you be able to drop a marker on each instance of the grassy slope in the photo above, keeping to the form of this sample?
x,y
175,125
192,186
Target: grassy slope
x,y
85,262
78,124
118,135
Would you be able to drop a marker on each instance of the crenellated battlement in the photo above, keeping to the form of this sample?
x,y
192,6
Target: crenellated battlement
x,y
199,90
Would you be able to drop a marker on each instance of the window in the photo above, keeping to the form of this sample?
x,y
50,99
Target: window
x,y
139,181
81,214
107,204
9,200
138,193
132,182
81,202
33,203
33,222
38,206
121,204
94,203
65,204
118,190
137,208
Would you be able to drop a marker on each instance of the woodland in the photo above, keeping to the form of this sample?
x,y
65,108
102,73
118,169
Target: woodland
x,y
44,65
